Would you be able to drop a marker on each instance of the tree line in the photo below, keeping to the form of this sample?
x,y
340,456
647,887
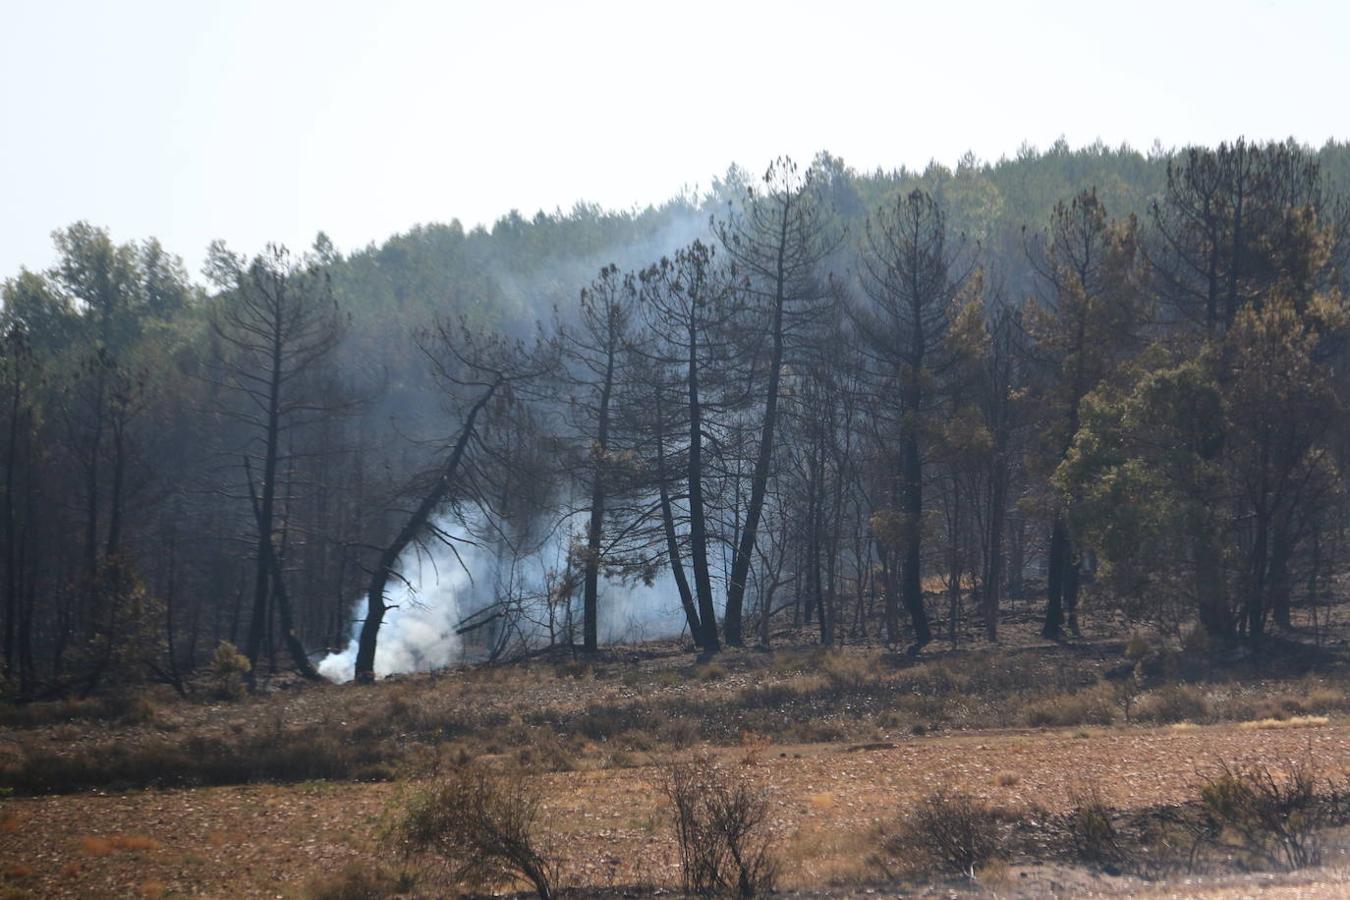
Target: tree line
x,y
884,406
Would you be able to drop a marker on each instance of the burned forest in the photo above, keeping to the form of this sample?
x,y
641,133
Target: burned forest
x,y
975,528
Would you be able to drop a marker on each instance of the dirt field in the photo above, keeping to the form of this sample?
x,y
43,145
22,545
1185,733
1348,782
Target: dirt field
x,y
146,798
268,840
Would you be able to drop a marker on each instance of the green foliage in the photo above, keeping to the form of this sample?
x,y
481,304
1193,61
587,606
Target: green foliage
x,y
128,638
227,672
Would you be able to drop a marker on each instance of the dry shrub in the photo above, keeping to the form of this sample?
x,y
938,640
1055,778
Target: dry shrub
x,y
721,829
950,832
267,755
847,673
1270,817
546,752
126,707
679,732
754,745
710,671
604,722
936,679
487,829
360,881
1095,839
1174,703
1313,699
1094,706
92,845
1137,647
134,842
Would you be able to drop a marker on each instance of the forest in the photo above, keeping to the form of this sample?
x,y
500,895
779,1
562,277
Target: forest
x,y
972,530
885,406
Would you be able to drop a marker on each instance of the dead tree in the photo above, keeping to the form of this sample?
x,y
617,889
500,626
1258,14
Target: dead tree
x,y
483,375
779,241
689,302
277,322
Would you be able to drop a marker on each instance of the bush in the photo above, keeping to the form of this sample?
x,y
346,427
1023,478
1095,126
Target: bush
x,y
954,832
227,672
360,881
721,828
487,829
265,755
847,673
1175,703
126,707
1272,818
1094,706
1095,839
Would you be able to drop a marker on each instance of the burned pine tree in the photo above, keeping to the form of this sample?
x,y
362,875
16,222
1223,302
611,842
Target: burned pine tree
x,y
779,240
599,358
691,302
910,275
276,323
483,377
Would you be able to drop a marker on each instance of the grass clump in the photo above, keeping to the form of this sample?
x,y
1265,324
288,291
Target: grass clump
x,y
1174,703
360,881
1094,706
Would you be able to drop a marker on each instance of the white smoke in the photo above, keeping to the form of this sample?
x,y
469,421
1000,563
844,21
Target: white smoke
x,y
442,589
418,632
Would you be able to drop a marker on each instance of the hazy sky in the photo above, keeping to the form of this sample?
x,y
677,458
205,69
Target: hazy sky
x,y
256,121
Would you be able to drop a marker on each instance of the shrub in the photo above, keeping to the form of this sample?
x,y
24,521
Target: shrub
x,y
721,828
487,829
1175,703
953,832
360,881
124,706
1137,647
1094,706
227,672
269,754
1095,839
1271,817
847,673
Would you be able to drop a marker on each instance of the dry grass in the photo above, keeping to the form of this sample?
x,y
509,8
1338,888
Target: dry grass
x,y
585,734
1293,722
1094,706
1174,703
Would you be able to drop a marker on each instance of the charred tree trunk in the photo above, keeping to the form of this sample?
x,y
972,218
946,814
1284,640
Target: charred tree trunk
x,y
698,534
411,530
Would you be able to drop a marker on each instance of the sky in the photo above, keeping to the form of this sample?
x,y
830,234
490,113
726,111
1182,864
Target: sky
x,y
251,122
